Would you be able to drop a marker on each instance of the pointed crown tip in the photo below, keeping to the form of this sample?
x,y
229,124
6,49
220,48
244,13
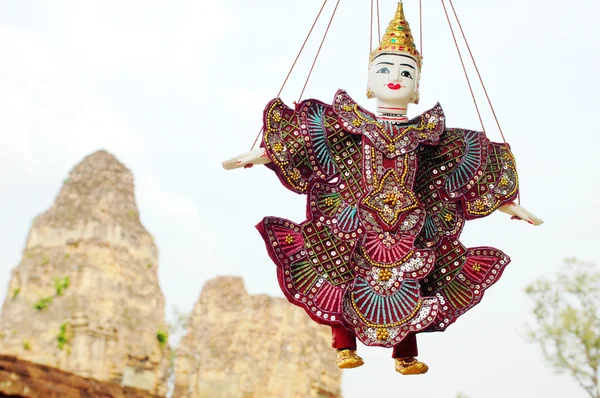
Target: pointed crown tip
x,y
398,38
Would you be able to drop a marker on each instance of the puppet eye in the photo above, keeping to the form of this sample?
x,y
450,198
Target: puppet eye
x,y
384,70
406,73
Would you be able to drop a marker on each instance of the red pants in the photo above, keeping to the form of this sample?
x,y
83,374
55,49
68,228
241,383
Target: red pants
x,y
342,338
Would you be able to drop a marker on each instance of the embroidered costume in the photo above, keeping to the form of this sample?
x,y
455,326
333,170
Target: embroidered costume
x,y
379,255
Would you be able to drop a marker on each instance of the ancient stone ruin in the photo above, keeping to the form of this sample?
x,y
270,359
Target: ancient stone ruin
x,y
244,346
84,313
20,378
85,297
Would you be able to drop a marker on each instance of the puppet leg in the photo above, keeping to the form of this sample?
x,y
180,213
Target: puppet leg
x,y
404,355
406,348
345,343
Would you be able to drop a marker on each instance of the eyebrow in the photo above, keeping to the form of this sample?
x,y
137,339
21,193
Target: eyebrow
x,y
395,55
391,63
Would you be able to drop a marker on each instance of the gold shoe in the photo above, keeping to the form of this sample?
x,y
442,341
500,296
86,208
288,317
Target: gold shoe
x,y
410,366
347,359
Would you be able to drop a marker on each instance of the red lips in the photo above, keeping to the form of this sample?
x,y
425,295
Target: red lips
x,y
394,86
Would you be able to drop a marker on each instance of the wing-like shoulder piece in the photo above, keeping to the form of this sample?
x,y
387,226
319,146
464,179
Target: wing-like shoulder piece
x,y
464,177
452,167
296,142
498,185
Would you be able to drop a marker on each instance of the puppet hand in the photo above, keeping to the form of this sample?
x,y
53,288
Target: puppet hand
x,y
256,156
520,213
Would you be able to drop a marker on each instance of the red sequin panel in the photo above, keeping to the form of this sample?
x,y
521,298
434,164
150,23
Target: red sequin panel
x,y
317,288
482,267
328,254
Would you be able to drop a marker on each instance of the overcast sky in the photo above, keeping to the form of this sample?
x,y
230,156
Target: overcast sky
x,y
172,89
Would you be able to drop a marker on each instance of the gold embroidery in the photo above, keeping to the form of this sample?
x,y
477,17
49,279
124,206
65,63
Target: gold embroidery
x,y
390,325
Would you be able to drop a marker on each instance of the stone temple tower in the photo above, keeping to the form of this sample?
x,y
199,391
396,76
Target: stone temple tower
x,y
240,345
85,297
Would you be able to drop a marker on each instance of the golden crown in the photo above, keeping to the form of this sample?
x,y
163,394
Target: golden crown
x,y
398,38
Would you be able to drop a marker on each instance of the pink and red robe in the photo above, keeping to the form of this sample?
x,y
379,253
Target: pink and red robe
x,y
378,256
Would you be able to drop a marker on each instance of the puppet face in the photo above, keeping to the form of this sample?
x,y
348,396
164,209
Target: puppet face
x,y
393,79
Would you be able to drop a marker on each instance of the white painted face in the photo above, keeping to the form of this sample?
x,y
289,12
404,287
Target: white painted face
x,y
393,78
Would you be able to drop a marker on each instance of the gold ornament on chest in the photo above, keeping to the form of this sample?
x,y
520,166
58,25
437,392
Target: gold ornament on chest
x,y
391,198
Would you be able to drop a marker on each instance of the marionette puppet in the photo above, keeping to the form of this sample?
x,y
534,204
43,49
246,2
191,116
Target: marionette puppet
x,y
379,256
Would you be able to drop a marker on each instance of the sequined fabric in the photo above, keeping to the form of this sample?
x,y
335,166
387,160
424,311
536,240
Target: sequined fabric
x,y
379,253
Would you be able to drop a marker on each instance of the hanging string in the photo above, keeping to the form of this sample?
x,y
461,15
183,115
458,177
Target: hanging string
x,y
371,29
478,74
463,65
378,24
293,65
303,45
482,84
421,25
371,25
319,51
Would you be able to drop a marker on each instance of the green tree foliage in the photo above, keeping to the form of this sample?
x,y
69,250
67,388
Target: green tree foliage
x,y
567,322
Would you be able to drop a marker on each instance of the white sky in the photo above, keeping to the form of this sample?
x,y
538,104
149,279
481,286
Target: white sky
x,y
172,90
